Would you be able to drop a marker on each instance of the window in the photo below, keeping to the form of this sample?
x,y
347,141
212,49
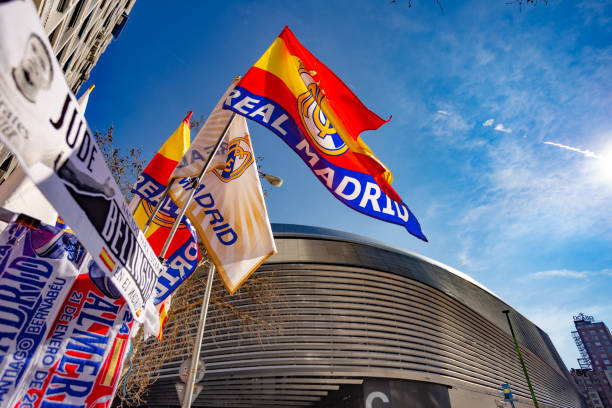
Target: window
x,y
61,7
84,25
597,343
88,34
75,13
606,362
53,34
68,61
61,53
5,165
110,15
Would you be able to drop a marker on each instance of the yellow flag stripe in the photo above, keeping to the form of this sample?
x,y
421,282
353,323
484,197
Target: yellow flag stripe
x,y
112,366
279,61
175,147
108,261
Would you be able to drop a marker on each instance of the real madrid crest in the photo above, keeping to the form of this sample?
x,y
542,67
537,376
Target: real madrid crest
x,y
319,128
239,158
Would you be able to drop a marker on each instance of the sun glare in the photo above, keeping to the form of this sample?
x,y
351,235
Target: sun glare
x,y
605,163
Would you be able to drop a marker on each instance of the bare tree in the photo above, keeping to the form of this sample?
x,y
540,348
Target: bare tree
x,y
532,3
249,311
125,167
255,313
438,3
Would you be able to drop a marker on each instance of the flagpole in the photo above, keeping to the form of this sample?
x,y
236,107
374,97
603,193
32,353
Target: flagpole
x,y
9,216
158,205
194,187
197,345
206,300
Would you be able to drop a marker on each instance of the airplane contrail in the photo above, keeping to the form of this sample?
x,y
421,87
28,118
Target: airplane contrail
x,y
586,153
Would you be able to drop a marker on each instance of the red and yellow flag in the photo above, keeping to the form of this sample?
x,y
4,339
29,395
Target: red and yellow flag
x,y
296,96
183,254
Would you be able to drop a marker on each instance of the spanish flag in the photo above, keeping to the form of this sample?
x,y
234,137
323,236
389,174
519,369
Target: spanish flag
x,y
296,96
163,316
84,99
183,254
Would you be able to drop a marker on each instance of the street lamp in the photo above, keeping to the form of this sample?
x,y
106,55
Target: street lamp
x,y
275,181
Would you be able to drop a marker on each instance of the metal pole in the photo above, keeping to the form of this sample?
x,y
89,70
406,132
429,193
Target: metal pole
x,y
195,186
195,357
158,205
9,216
520,356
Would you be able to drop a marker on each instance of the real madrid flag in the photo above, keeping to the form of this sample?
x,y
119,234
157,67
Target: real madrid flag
x,y
182,255
296,96
228,209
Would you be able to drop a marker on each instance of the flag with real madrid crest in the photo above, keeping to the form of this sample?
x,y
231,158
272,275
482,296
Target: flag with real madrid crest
x,y
296,96
228,209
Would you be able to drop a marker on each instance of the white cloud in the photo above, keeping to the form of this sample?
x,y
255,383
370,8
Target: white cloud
x,y
557,322
522,194
540,305
558,273
450,127
522,203
595,11
586,153
463,254
501,128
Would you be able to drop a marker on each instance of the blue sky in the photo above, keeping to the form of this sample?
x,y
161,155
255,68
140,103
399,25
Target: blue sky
x,y
500,142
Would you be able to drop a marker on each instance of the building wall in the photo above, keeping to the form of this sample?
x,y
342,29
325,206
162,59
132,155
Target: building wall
x,y
80,31
597,341
355,312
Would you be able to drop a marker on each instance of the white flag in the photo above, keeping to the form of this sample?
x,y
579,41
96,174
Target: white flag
x,y
42,123
228,210
204,143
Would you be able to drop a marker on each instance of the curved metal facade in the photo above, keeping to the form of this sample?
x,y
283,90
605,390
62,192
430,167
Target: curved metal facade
x,y
355,310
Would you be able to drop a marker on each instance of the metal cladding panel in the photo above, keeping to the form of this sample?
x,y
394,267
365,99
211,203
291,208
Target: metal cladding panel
x,y
353,311
350,249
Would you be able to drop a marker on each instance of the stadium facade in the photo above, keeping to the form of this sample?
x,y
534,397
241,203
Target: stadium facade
x,y
363,324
